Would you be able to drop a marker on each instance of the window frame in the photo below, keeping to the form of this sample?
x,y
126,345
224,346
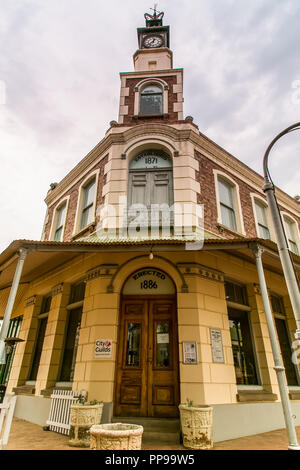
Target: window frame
x,y
236,201
157,93
287,217
43,315
85,182
257,199
282,316
142,85
246,309
53,229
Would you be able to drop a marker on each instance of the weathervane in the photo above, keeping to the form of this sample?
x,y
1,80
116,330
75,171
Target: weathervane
x,y
152,19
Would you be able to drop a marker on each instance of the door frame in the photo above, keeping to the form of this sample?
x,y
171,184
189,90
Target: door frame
x,y
158,297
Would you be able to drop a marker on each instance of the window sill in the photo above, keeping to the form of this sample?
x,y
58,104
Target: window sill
x,y
24,390
251,395
89,228
294,393
47,392
223,228
149,116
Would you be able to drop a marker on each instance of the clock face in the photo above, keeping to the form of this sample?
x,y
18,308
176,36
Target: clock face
x,y
153,41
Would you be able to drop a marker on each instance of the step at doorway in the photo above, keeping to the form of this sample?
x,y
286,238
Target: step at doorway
x,y
156,430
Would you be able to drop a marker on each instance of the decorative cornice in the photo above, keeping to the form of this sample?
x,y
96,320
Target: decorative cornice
x,y
57,289
30,301
103,270
195,269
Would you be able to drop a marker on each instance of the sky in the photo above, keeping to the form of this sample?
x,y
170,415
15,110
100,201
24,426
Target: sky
x,y
59,87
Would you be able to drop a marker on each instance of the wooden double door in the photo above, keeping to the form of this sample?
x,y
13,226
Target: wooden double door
x,y
147,362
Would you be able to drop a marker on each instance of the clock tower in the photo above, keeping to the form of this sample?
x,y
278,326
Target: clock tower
x,y
153,92
155,34
154,42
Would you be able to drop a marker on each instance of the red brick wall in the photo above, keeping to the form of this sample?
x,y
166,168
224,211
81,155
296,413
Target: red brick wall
x,y
131,83
73,193
207,197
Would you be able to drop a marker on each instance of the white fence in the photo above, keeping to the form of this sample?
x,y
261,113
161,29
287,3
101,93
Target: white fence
x,y
59,416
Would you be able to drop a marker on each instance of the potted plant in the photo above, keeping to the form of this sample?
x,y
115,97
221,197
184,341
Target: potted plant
x,y
116,436
83,415
196,425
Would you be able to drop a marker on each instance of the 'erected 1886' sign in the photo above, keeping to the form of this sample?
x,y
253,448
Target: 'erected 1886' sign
x,y
149,281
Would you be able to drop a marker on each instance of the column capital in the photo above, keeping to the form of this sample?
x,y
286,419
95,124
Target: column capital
x,y
23,253
256,249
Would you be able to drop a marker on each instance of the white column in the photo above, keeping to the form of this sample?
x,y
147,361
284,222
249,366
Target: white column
x,y
279,369
10,303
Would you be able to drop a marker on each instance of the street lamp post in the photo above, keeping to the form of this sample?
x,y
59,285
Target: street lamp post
x,y
292,286
283,248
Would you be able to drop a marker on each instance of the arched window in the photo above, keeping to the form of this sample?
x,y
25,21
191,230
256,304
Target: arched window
x,y
150,183
151,101
291,233
262,220
87,208
227,204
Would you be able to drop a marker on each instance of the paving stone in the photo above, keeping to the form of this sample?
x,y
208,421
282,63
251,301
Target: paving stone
x,y
29,436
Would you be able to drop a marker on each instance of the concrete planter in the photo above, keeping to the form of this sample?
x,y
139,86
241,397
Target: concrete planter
x,y
116,436
196,426
82,417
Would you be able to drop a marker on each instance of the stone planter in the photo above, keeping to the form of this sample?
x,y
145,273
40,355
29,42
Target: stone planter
x,y
116,436
82,417
196,426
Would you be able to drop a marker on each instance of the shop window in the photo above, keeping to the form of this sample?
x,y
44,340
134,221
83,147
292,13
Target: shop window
x,y
77,292
42,325
151,100
13,332
236,293
71,345
284,339
242,348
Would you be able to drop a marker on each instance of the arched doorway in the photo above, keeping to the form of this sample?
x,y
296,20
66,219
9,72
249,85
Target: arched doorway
x,y
147,378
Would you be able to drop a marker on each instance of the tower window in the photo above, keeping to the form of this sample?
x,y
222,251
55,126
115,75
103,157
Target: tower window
x,y
151,100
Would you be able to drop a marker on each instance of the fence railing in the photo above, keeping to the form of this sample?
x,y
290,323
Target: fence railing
x,y
59,416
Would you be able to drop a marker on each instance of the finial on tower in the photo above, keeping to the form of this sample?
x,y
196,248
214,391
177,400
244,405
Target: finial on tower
x,y
155,19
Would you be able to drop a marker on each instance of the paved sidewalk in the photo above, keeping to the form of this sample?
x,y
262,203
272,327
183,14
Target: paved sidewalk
x,y
28,436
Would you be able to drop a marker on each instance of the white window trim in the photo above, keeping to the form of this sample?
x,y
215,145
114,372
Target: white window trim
x,y
54,218
151,81
292,219
255,196
237,202
94,174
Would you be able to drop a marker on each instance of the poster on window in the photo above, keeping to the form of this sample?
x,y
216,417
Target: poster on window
x,y
103,348
217,345
190,355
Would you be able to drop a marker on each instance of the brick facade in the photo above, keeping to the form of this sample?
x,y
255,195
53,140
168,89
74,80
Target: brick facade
x,y
73,200
207,197
172,117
